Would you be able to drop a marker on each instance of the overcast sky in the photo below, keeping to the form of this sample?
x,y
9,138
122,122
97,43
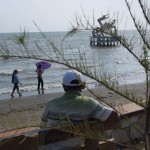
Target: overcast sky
x,y
56,15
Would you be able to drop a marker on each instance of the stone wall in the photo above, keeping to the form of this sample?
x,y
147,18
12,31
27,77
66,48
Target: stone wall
x,y
132,125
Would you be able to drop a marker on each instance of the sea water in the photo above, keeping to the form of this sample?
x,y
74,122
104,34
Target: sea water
x,y
117,62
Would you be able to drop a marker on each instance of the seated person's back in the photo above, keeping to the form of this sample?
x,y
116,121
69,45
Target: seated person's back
x,y
74,106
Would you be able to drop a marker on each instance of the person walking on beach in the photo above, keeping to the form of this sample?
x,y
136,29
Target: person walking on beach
x,y
76,106
15,81
40,71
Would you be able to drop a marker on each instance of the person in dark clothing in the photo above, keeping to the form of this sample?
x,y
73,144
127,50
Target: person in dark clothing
x,y
15,81
39,71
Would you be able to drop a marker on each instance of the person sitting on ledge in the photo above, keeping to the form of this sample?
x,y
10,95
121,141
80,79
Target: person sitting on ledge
x,y
75,106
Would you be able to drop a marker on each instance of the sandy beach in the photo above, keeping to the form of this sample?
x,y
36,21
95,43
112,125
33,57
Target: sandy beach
x,y
26,111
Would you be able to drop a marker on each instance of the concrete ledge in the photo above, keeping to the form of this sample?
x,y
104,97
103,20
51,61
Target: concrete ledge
x,y
130,109
24,131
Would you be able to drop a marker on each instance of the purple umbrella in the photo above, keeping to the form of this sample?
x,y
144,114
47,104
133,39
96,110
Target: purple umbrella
x,y
44,64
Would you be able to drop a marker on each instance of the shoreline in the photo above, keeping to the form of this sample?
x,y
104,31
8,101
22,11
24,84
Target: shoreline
x,y
27,110
29,93
6,97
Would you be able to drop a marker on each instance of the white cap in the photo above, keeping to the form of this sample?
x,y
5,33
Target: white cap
x,y
72,78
